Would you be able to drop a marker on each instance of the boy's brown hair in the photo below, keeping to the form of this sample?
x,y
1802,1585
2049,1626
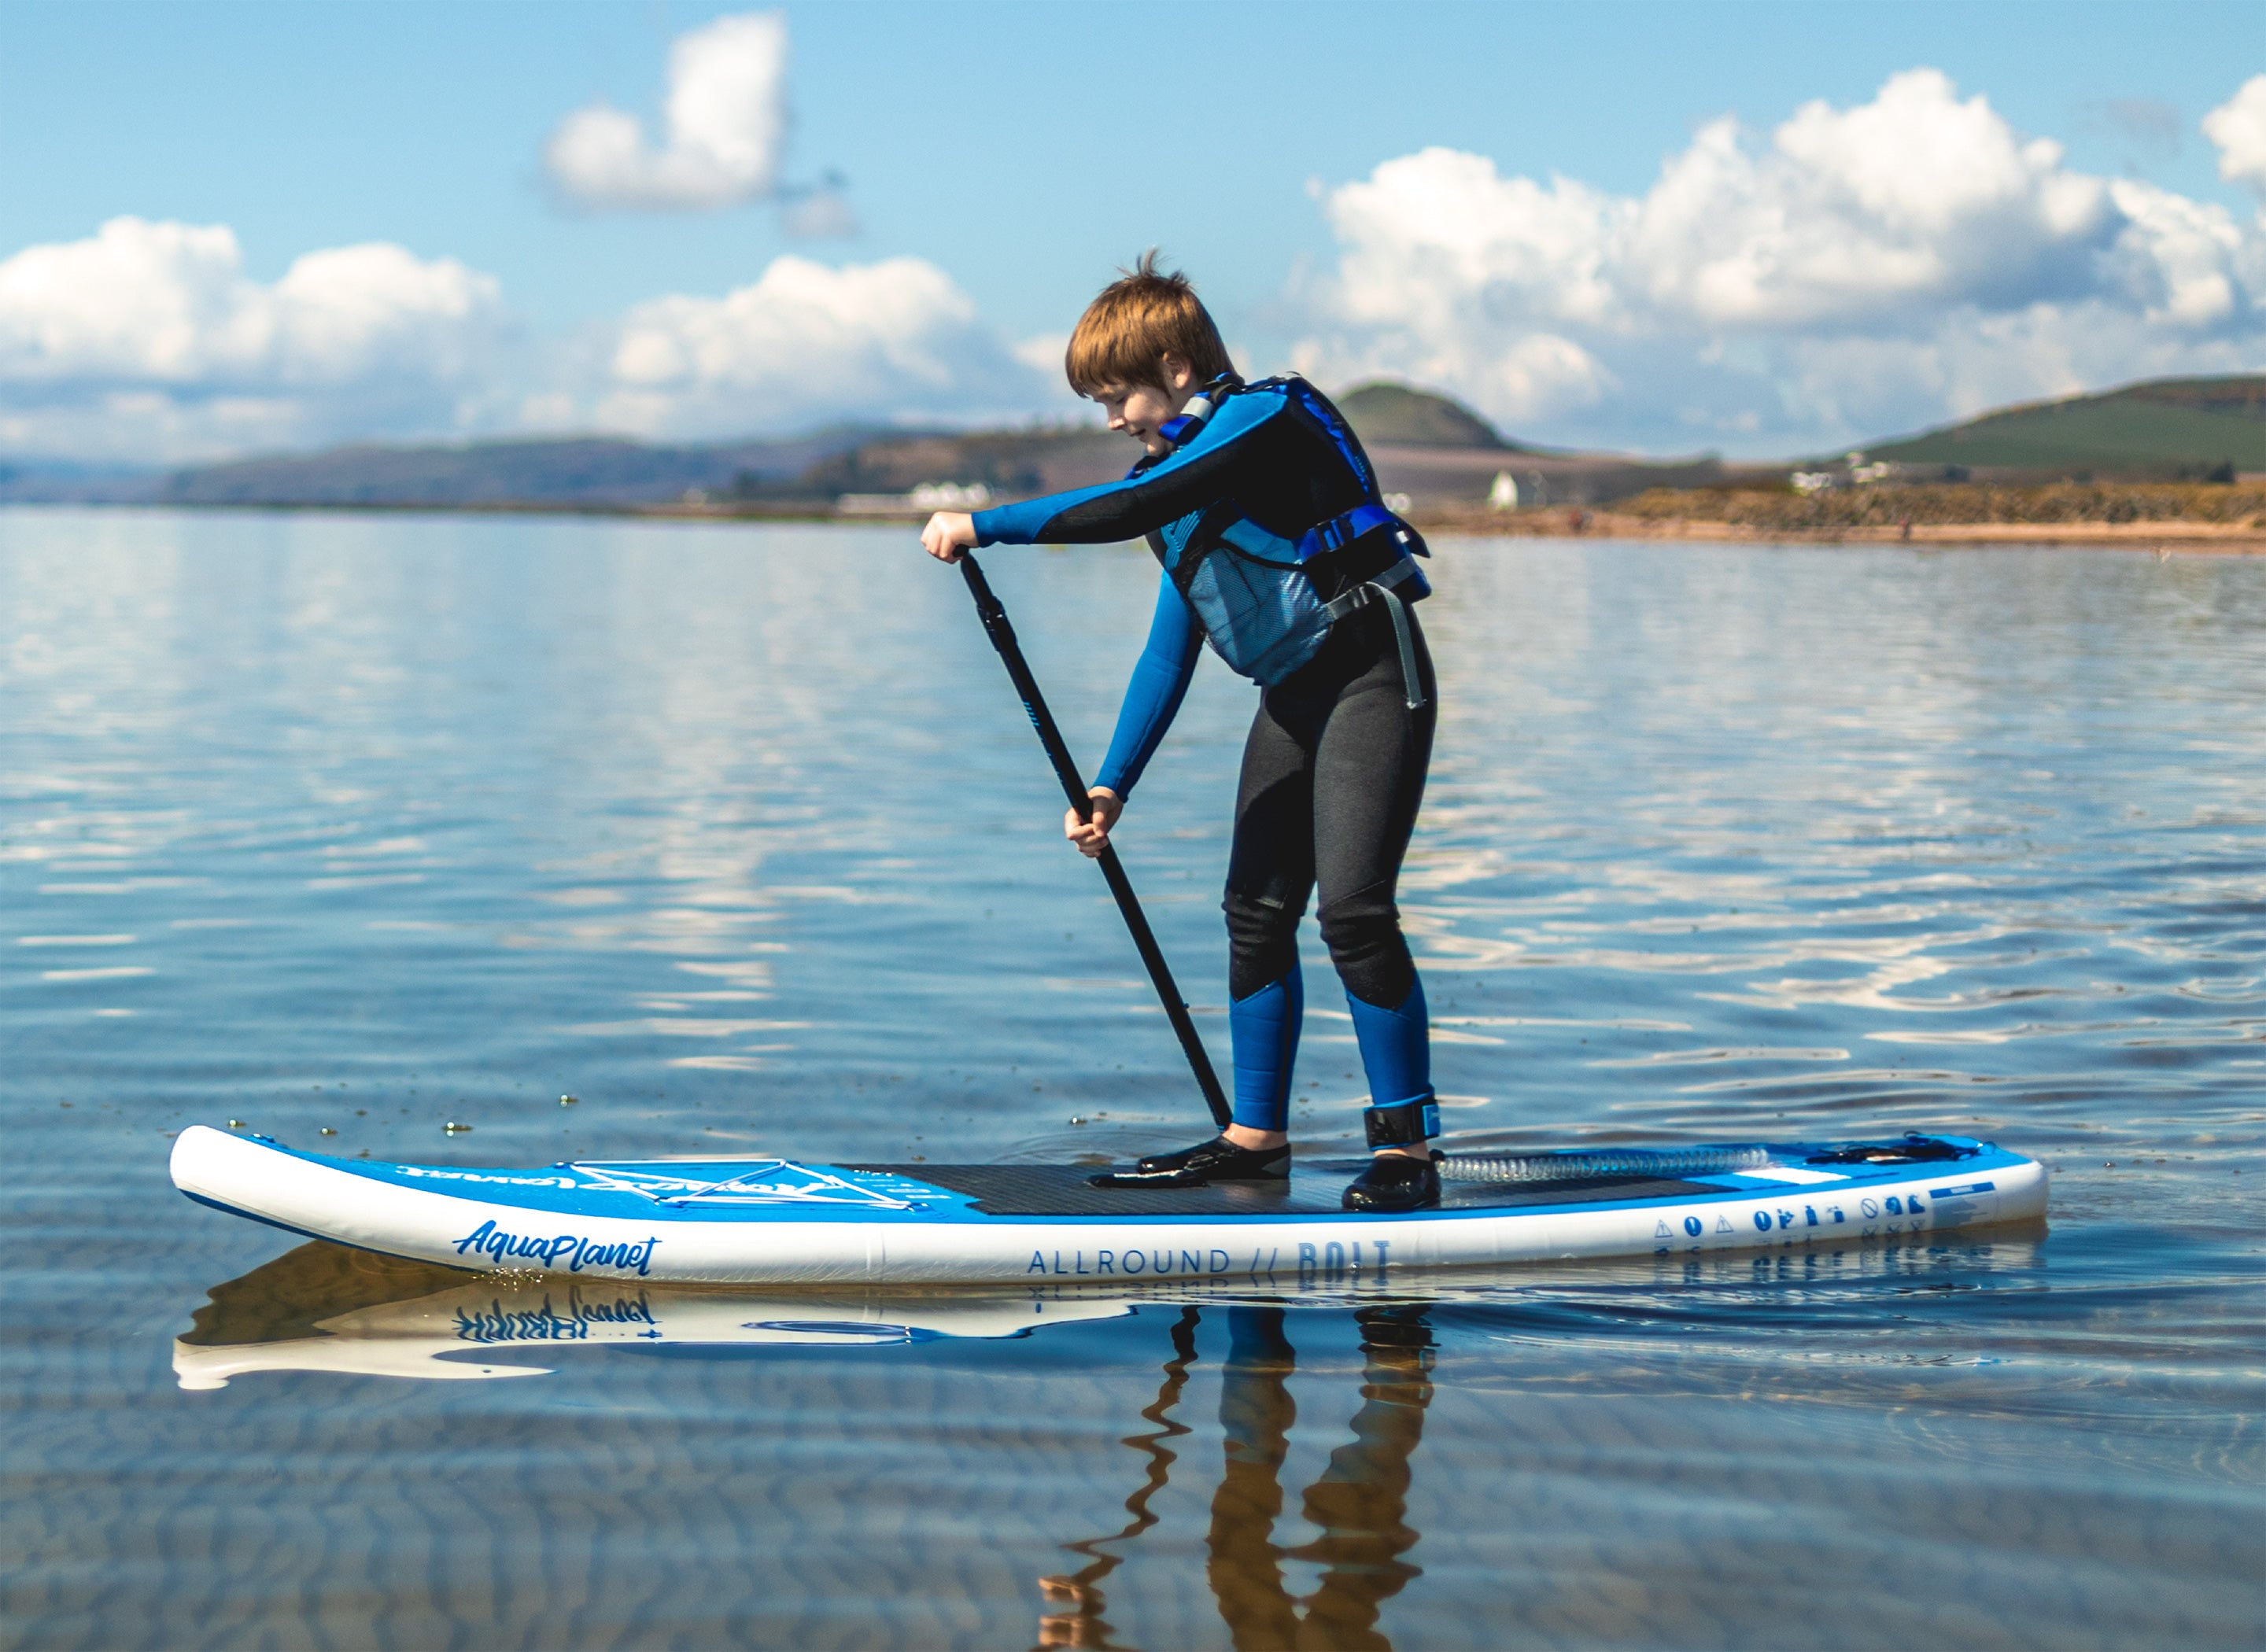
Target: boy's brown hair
x,y
1138,320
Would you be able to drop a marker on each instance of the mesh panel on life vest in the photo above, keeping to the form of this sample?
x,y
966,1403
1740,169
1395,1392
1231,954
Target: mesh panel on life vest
x,y
1264,621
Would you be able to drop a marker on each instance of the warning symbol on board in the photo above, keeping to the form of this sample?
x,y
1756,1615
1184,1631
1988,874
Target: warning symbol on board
x,y
1722,1225
1661,1232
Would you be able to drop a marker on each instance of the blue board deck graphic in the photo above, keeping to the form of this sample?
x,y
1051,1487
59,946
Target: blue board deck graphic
x,y
781,1221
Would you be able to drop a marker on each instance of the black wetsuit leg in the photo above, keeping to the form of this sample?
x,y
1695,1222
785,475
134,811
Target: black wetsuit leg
x,y
1333,775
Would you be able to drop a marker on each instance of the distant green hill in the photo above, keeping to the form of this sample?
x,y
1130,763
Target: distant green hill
x,y
1385,414
2174,427
1008,462
592,470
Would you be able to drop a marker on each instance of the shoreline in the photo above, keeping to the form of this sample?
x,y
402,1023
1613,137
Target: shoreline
x,y
2218,538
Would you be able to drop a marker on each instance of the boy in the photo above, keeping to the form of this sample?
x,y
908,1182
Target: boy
x,y
1263,509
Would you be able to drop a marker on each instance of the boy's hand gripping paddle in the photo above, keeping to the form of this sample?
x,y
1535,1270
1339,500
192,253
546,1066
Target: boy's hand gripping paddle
x,y
1011,653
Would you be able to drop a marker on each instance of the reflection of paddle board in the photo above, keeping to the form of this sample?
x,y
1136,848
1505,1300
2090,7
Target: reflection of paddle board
x,y
774,1221
376,1316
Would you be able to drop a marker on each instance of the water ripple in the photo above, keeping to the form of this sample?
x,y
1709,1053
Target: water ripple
x,y
737,835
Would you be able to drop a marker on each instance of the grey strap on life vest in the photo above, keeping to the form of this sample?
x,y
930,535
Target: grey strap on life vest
x,y
1381,590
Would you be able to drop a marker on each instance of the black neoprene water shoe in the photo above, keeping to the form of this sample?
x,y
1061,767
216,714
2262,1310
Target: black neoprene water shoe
x,y
1218,1159
1394,1181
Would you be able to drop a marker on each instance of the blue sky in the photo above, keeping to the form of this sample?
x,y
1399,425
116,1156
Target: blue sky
x,y
1359,190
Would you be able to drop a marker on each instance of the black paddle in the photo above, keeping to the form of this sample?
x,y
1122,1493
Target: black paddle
x,y
1002,633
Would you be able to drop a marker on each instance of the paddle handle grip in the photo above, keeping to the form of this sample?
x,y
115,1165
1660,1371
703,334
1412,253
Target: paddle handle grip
x,y
1002,633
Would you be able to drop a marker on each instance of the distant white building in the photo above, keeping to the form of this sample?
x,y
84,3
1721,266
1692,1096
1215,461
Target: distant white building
x,y
950,496
927,496
1856,474
1504,495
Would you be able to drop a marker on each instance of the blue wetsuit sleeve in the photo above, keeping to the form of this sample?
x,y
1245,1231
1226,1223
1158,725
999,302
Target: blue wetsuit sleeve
x,y
1199,474
1160,681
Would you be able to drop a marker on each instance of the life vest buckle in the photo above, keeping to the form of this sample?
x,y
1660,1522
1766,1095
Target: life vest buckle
x,y
1347,526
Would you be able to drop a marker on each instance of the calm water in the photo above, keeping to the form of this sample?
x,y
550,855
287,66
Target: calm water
x,y
737,835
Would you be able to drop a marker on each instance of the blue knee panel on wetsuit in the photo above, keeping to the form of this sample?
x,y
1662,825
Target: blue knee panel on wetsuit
x,y
1396,1047
1263,1030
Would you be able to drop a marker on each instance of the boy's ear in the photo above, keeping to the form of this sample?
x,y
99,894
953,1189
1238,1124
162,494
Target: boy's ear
x,y
1177,373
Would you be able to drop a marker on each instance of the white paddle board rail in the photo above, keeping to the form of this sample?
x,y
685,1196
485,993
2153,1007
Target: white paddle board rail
x,y
780,1221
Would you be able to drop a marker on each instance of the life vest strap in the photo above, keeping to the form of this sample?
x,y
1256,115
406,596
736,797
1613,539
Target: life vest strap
x,y
1380,589
1346,527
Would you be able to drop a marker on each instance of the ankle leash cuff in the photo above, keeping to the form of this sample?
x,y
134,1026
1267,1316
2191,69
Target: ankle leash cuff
x,y
1402,1123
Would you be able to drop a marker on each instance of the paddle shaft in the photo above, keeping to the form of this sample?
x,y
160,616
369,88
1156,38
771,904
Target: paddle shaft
x,y
1002,633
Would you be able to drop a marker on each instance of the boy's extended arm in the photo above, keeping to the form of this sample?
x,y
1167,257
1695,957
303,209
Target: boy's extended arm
x,y
1146,501
1160,681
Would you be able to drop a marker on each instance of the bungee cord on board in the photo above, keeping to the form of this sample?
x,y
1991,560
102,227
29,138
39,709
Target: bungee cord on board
x,y
1631,1161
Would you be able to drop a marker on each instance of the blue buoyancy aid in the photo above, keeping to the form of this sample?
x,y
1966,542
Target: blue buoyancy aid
x,y
1257,593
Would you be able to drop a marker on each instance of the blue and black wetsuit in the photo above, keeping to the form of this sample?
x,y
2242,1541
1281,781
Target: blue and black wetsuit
x,y
1333,768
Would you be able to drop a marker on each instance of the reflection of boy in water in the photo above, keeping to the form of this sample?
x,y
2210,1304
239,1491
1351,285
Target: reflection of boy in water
x,y
1360,1503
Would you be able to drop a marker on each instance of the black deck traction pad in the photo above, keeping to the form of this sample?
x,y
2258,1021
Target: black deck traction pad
x,y
1313,1189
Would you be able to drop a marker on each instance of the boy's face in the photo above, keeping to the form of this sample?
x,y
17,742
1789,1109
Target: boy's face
x,y
1137,410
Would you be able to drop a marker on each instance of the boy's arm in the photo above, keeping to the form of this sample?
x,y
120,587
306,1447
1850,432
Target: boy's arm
x,y
1146,501
1160,681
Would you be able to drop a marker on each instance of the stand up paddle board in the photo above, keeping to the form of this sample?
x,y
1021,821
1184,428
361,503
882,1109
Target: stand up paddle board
x,y
777,1221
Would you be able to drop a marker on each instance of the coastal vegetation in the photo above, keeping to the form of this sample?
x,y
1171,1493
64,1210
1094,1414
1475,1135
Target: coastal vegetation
x,y
1779,509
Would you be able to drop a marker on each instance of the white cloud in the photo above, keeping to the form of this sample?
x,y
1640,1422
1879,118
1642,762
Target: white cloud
x,y
148,341
148,338
1853,273
1043,352
806,342
726,117
1864,270
2238,128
